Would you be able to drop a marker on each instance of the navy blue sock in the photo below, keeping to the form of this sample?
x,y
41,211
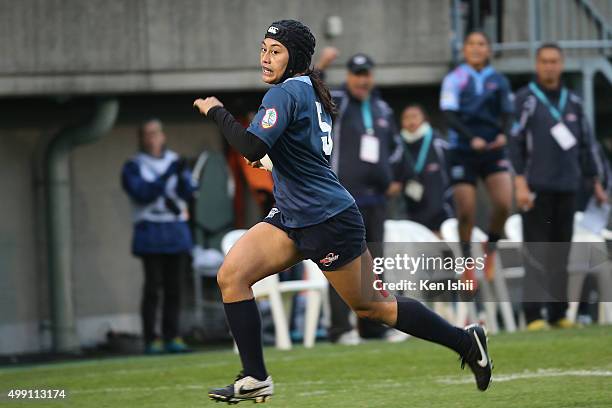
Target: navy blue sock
x,y
245,324
466,249
492,244
417,320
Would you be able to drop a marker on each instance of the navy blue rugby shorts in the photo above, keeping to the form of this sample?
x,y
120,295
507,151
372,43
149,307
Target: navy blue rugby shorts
x,y
330,244
468,166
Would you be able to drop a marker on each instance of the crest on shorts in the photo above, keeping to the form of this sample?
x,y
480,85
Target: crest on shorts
x,y
503,163
457,172
329,258
273,212
269,118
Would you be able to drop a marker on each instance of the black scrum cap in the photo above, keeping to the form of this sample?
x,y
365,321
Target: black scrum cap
x,y
298,40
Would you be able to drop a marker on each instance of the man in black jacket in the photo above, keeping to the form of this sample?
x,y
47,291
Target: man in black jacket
x,y
367,157
551,151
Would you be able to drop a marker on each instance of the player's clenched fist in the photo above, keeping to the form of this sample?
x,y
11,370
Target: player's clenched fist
x,y
204,105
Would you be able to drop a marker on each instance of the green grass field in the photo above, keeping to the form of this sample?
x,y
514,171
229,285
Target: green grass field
x,y
550,369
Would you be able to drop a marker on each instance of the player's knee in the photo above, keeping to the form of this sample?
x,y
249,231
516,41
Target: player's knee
x,y
233,277
364,313
465,217
227,277
503,209
371,311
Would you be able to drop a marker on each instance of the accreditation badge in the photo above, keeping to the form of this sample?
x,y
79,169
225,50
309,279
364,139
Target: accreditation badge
x,y
369,150
414,190
563,136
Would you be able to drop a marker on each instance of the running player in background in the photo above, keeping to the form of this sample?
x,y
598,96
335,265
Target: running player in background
x,y
314,218
478,105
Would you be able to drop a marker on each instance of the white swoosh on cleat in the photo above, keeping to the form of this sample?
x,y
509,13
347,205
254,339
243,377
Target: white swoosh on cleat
x,y
484,358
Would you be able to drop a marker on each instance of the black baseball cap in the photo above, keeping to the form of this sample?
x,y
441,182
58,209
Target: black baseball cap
x,y
360,63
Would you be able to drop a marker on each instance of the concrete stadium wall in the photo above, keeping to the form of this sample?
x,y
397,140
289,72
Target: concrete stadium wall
x,y
21,280
88,46
107,279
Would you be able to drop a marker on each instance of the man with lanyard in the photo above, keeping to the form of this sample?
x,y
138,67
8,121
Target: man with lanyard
x,y
551,150
427,191
367,157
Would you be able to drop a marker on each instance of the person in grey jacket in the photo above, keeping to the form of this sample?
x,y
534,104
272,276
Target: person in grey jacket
x,y
552,150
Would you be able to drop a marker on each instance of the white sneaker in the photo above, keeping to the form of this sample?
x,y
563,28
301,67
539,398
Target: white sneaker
x,y
350,338
395,336
244,389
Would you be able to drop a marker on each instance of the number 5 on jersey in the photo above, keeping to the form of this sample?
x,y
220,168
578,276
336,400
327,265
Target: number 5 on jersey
x,y
328,143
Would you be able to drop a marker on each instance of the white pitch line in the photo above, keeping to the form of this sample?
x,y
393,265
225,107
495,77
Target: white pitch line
x,y
542,373
139,389
363,383
312,393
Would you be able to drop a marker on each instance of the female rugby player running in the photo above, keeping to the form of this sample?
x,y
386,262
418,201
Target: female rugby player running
x,y
477,102
314,217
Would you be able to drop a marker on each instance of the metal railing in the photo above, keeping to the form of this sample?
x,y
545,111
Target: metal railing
x,y
520,26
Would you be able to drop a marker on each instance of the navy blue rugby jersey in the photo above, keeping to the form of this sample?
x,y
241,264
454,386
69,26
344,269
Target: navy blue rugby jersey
x,y
297,130
479,98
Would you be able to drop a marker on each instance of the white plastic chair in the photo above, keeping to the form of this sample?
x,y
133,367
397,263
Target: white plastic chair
x,y
205,265
514,231
276,291
410,231
606,234
450,234
577,266
514,228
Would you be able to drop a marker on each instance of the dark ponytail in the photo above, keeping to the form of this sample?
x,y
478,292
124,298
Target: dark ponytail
x,y
322,91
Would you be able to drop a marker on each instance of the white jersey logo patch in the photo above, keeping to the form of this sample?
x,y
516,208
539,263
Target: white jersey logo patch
x,y
269,118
